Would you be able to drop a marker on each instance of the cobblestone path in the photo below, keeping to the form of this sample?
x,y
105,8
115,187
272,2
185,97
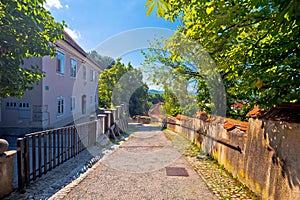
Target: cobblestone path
x,y
147,166
138,170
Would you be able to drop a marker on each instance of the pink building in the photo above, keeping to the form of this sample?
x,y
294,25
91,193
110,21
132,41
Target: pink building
x,y
68,93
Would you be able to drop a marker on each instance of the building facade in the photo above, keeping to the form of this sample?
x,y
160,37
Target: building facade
x,y
67,93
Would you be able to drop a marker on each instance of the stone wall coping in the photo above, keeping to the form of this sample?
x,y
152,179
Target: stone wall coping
x,y
7,154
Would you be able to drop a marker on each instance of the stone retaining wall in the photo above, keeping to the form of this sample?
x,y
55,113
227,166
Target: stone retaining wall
x,y
266,156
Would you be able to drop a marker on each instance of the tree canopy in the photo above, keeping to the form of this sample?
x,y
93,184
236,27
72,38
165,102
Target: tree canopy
x,y
254,45
27,30
103,61
123,84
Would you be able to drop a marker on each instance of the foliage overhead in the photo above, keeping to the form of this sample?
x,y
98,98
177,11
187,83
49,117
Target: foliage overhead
x,y
27,30
254,44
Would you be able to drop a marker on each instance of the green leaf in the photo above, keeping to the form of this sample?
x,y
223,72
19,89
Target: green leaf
x,y
160,10
209,10
150,9
148,2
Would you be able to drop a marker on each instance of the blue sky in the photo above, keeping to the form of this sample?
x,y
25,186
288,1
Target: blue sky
x,y
94,22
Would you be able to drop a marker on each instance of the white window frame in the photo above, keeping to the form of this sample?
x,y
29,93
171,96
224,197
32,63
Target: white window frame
x,y
60,63
73,68
60,106
73,103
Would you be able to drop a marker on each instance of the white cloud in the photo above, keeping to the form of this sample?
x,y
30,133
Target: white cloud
x,y
67,6
73,33
53,4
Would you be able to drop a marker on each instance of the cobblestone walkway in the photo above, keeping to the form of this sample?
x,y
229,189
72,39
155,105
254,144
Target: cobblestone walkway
x,y
59,177
138,170
220,182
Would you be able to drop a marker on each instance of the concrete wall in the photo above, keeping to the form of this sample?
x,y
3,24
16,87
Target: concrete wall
x,y
268,162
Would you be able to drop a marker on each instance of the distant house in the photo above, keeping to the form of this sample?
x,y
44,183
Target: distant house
x,y
67,93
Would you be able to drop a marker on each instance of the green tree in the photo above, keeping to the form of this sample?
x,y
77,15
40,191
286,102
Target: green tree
x,y
255,44
138,101
103,61
155,98
108,80
27,30
170,64
123,84
171,105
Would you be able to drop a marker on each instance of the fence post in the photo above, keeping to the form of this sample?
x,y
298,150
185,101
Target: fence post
x,y
40,154
118,109
50,151
27,160
92,130
102,123
118,118
20,160
113,116
45,136
126,115
108,121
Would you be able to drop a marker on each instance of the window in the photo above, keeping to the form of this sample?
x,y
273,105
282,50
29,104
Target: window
x,y
72,104
18,105
84,72
24,106
91,75
60,66
95,77
11,105
83,104
73,68
60,106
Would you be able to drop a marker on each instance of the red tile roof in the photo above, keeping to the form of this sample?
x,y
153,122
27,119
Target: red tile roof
x,y
232,123
289,112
